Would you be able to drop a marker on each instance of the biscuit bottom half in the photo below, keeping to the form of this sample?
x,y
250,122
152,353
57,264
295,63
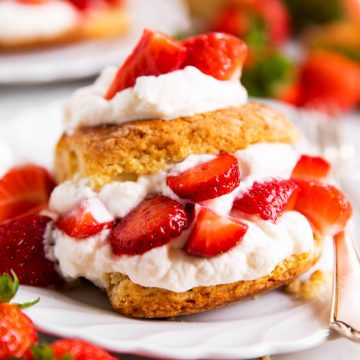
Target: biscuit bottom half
x,y
130,299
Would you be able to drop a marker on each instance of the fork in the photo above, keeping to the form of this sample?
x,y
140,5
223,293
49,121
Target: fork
x,y
345,304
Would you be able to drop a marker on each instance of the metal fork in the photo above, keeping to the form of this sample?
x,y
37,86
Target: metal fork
x,y
345,304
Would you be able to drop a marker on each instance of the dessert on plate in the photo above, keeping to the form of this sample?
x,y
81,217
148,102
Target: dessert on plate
x,y
175,193
34,23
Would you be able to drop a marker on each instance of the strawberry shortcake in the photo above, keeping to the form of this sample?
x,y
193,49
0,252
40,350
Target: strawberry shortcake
x,y
176,195
33,23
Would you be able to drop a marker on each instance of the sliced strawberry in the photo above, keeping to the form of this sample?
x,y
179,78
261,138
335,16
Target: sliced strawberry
x,y
155,54
23,188
22,250
206,181
214,234
153,223
89,218
311,167
324,205
268,199
216,54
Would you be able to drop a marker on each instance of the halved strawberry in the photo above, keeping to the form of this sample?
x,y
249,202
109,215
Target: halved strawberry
x,y
324,205
154,222
206,181
23,188
214,234
22,250
268,199
155,54
216,54
311,167
89,218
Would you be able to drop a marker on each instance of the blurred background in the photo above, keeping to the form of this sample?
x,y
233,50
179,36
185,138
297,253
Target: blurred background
x,y
303,52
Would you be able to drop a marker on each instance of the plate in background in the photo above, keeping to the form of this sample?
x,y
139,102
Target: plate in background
x,y
88,58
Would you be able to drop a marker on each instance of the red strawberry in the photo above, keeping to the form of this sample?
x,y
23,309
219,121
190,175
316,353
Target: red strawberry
x,y
17,332
217,54
276,17
22,250
324,205
155,54
330,82
268,199
84,5
243,19
313,167
290,93
232,20
32,2
206,181
214,234
23,188
154,222
78,350
81,222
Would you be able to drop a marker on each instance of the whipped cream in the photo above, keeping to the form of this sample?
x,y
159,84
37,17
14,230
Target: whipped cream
x,y
20,21
262,248
183,92
169,267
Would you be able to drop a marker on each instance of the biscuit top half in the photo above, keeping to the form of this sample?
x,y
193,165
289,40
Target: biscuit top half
x,y
123,152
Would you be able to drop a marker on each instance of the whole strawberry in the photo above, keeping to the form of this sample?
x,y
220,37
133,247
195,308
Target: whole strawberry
x,y
69,349
17,332
22,250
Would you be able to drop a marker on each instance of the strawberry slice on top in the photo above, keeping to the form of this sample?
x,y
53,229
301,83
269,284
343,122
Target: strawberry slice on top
x,y
23,188
155,54
216,54
214,234
268,199
206,181
154,222
324,205
89,218
311,167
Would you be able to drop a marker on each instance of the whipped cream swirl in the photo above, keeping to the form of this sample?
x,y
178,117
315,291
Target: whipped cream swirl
x,y
180,93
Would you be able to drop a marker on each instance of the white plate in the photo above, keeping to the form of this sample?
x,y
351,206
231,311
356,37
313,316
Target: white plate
x,y
270,324
86,59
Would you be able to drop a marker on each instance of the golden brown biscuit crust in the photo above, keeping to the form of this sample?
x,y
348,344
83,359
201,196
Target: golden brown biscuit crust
x,y
134,300
119,152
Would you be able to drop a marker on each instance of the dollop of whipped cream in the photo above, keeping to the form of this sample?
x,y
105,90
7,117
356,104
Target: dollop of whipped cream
x,y
169,267
183,92
25,21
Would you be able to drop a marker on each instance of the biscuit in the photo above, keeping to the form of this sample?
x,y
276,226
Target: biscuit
x,y
123,152
130,299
